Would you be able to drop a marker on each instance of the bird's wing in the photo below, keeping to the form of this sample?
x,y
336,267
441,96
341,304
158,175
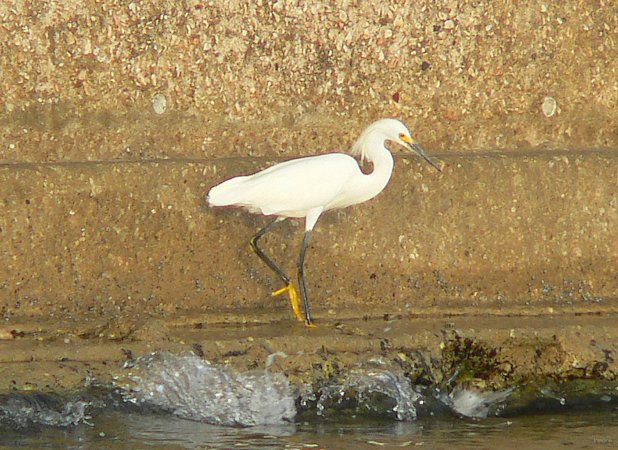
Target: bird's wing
x,y
290,188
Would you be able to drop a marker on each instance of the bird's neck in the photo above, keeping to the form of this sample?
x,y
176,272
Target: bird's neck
x,y
371,184
383,163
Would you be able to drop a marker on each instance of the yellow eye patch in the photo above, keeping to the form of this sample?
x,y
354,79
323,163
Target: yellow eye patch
x,y
406,139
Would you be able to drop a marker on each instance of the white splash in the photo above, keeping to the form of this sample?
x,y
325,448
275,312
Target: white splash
x,y
374,391
192,388
474,403
24,410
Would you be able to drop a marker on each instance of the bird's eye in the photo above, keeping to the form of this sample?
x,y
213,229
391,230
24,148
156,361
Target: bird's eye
x,y
405,138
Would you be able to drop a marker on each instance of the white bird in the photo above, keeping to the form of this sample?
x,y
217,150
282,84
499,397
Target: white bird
x,y
307,187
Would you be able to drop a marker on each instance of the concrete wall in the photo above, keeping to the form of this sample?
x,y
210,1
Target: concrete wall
x,y
82,80
94,96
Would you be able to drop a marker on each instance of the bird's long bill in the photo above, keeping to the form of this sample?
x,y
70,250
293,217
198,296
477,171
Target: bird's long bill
x,y
418,150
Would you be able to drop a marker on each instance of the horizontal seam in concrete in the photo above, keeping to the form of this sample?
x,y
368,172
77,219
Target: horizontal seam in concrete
x,y
455,155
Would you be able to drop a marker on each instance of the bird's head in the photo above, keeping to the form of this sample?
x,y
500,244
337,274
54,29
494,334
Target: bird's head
x,y
373,137
402,136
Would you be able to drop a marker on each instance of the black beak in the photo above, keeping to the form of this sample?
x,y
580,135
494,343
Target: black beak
x,y
420,152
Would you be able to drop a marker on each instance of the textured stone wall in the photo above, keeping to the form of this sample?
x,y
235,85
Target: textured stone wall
x,y
489,232
511,96
140,80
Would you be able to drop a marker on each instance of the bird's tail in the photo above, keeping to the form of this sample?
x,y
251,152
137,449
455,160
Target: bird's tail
x,y
226,193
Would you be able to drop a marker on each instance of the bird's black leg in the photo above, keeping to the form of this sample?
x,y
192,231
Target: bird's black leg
x,y
289,287
301,277
263,256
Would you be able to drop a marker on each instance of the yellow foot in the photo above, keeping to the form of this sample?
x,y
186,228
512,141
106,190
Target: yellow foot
x,y
293,300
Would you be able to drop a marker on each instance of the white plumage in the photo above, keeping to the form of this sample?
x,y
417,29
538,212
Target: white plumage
x,y
282,189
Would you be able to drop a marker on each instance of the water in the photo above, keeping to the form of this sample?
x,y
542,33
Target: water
x,y
192,388
370,392
175,401
114,429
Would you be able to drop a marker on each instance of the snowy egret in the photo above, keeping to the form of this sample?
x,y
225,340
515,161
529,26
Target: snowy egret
x,y
307,187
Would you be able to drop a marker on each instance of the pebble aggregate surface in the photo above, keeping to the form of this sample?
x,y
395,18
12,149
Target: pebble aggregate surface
x,y
116,117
